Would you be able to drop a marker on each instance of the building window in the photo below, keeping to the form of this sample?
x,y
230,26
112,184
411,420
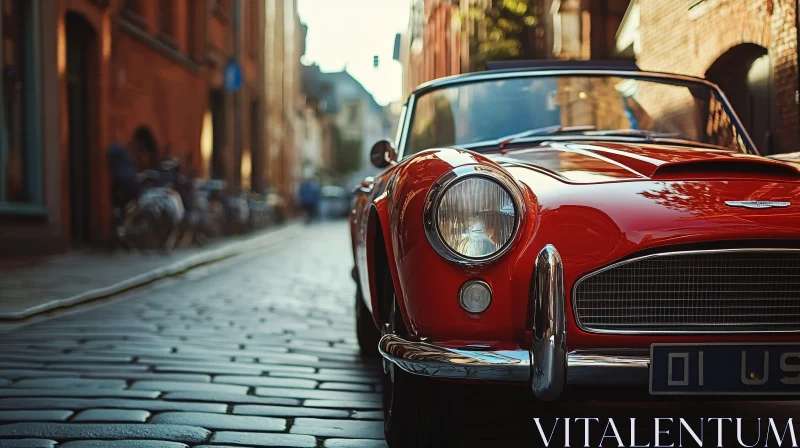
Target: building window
x,y
191,43
133,11
19,116
134,6
353,114
255,21
166,17
222,8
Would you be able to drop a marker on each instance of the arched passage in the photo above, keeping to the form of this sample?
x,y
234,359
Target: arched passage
x,y
745,74
81,79
144,147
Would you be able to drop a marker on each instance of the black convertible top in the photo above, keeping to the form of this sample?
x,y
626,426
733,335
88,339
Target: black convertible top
x,y
551,64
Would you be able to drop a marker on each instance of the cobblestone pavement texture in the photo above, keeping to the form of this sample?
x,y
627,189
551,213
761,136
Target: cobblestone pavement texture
x,y
255,351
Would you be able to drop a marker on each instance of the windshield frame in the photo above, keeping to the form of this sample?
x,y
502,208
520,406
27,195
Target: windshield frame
x,y
662,78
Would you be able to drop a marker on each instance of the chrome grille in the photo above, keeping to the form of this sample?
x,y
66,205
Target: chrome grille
x,y
702,291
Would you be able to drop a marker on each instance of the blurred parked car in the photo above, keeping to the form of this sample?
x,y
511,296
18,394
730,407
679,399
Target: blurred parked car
x,y
335,202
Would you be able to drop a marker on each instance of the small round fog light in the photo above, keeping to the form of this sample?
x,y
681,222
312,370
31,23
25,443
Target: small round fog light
x,y
475,296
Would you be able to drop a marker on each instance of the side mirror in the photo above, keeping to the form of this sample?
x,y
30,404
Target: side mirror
x,y
383,154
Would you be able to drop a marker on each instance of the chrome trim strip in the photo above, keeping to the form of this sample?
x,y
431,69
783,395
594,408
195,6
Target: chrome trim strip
x,y
499,75
367,184
609,366
758,205
436,193
665,254
422,358
512,73
549,350
401,144
400,127
586,367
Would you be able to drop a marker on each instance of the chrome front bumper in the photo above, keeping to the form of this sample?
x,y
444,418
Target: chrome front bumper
x,y
584,367
547,367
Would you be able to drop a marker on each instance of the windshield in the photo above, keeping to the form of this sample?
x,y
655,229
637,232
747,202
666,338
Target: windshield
x,y
487,113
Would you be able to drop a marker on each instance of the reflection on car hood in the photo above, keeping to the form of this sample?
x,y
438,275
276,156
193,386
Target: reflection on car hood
x,y
600,202
595,162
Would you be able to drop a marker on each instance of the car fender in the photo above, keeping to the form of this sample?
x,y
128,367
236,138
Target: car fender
x,y
427,283
378,218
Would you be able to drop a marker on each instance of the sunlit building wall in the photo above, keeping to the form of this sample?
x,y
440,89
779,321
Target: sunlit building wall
x,y
100,72
284,41
445,37
748,47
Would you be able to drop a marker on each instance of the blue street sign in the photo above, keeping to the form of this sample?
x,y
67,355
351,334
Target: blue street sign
x,y
232,76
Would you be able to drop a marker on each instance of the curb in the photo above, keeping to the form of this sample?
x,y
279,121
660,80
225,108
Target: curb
x,y
228,250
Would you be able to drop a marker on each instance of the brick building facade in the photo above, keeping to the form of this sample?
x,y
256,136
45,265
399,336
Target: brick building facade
x,y
748,47
445,36
155,69
285,43
437,43
80,75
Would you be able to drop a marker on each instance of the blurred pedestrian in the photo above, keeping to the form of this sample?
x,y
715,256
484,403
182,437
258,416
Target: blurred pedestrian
x,y
309,198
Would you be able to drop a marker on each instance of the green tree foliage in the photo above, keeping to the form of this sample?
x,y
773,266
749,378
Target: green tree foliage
x,y
437,124
348,154
511,30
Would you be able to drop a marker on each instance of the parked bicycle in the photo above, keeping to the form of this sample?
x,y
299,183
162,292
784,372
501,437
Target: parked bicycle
x,y
147,209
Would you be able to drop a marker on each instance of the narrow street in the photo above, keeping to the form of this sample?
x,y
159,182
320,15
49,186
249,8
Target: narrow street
x,y
259,350
255,351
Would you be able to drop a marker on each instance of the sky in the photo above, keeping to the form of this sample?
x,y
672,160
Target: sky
x,y
348,33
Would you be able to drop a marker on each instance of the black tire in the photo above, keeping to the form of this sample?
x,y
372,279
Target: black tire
x,y
419,411
423,412
368,335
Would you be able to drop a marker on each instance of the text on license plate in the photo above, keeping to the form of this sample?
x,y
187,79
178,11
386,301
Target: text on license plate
x,y
725,369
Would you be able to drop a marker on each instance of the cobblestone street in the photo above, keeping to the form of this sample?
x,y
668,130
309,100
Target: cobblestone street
x,y
255,351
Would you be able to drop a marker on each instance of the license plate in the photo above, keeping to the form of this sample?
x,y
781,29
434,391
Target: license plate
x,y
725,369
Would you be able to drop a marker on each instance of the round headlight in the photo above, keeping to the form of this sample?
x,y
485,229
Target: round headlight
x,y
476,217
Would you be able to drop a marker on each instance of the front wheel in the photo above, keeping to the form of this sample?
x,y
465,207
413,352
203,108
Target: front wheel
x,y
422,412
418,411
368,335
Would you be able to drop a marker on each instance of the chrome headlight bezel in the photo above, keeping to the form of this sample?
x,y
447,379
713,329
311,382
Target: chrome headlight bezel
x,y
451,178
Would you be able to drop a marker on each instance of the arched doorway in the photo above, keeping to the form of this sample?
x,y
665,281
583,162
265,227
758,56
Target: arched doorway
x,y
212,137
80,77
745,75
216,102
144,148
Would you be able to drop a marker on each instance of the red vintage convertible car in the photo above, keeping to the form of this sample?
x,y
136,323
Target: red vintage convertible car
x,y
570,225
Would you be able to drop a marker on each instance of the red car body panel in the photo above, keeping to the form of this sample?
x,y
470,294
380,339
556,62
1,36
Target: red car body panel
x,y
595,202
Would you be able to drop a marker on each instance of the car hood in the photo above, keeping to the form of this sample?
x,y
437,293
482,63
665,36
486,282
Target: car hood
x,y
600,202
609,162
